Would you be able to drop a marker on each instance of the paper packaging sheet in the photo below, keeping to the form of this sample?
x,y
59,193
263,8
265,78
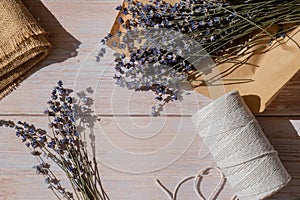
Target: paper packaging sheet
x,y
274,69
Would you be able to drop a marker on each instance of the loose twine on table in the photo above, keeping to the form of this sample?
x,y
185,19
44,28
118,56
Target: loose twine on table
x,y
242,152
197,183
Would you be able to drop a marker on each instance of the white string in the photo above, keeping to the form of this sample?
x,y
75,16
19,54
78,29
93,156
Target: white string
x,y
242,152
197,185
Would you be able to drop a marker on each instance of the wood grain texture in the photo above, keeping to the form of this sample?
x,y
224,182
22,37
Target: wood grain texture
x,y
286,103
19,181
76,28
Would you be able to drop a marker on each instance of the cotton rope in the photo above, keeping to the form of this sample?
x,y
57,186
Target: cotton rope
x,y
241,151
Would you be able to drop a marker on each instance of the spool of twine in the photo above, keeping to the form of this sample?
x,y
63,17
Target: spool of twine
x,y
23,43
240,148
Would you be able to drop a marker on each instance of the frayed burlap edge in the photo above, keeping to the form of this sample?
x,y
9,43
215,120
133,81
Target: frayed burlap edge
x,y
23,62
18,55
19,43
18,77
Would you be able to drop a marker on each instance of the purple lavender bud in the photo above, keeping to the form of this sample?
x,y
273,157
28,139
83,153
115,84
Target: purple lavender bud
x,y
119,7
120,20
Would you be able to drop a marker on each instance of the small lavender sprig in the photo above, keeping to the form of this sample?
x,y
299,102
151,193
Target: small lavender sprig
x,y
65,146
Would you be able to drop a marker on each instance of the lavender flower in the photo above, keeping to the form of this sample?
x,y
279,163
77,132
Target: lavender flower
x,y
65,146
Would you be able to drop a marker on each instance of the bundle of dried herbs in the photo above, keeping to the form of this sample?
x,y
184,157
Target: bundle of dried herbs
x,y
64,146
228,31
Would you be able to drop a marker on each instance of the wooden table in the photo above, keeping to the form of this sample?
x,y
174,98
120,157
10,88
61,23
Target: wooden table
x,y
76,28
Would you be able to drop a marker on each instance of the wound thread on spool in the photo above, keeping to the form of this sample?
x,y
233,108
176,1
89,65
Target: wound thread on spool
x,y
240,148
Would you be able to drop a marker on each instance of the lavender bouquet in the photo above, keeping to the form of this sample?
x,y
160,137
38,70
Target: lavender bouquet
x,y
64,146
229,32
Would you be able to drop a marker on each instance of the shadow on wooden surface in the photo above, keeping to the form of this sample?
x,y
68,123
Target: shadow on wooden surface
x,y
64,45
285,139
286,103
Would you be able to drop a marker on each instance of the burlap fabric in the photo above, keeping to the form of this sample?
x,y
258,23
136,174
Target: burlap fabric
x,y
23,43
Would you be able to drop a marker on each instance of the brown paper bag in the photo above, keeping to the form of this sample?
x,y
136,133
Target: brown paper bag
x,y
272,71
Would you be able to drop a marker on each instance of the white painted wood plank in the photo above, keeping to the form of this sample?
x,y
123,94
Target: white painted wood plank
x,y
296,124
17,177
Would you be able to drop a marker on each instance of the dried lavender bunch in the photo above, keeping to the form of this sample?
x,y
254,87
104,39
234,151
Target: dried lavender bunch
x,y
229,32
152,67
65,146
148,75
